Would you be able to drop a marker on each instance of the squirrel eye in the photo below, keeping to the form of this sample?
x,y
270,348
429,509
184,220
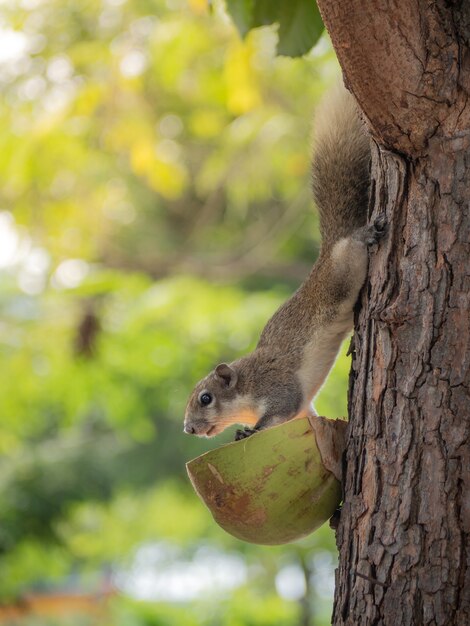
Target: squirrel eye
x,y
205,398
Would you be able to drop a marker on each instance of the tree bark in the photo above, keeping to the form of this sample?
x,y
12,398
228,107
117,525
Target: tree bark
x,y
404,534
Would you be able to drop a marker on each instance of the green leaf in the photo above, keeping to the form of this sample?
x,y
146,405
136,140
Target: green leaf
x,y
300,23
242,12
300,27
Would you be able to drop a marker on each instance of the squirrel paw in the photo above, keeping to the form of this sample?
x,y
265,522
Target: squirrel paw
x,y
375,232
244,433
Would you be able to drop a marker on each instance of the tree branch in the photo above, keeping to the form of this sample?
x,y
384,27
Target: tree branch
x,y
406,94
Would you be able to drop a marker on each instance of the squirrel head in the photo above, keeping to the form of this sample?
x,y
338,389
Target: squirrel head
x,y
213,404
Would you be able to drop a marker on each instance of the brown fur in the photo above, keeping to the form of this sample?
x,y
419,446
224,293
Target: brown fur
x,y
340,166
299,343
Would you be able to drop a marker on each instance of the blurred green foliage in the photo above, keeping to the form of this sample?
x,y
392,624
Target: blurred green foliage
x,y
154,212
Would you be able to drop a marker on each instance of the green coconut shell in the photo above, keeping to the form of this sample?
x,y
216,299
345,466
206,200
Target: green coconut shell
x,y
277,485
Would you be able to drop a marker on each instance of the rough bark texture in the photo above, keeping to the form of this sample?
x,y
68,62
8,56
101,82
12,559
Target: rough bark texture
x,y
404,534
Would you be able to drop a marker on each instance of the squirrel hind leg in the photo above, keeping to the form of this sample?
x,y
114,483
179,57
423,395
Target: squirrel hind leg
x,y
373,233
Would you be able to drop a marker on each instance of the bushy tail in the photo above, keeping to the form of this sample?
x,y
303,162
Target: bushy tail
x,y
340,168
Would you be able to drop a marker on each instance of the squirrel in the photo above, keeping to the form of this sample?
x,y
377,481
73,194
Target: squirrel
x,y
298,346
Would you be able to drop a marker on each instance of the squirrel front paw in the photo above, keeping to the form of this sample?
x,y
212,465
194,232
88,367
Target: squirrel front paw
x,y
375,232
243,433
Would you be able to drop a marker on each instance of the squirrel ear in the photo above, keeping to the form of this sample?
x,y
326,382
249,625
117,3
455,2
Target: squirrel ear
x,y
226,375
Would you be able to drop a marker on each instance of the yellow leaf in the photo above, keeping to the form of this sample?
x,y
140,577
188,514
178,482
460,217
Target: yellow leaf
x,y
206,123
241,80
142,156
168,179
199,6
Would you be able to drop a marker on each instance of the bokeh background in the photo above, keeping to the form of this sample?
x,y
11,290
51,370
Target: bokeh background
x,y
154,212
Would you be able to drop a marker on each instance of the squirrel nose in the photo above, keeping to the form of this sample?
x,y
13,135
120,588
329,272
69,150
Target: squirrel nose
x,y
189,430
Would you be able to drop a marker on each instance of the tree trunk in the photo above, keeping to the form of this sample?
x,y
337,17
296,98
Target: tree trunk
x,y
404,534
